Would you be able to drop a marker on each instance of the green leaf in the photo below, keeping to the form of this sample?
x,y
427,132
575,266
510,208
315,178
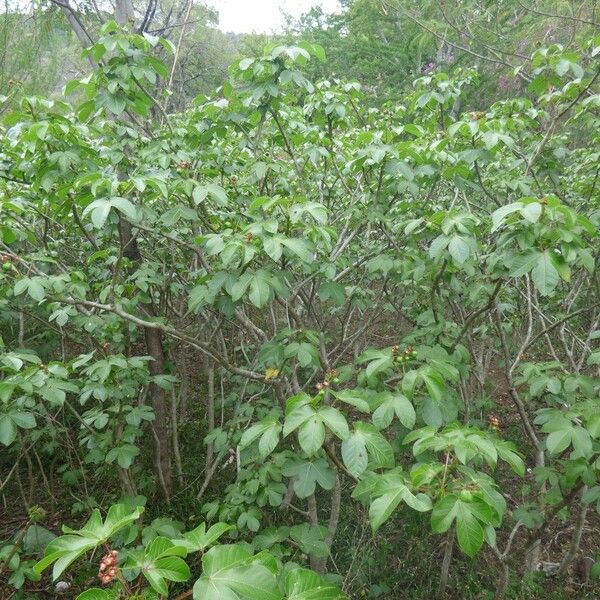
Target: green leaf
x,y
354,398
395,491
380,361
334,421
469,531
311,434
299,248
124,206
532,211
544,274
354,454
8,430
260,290
508,455
381,453
311,539
199,539
98,211
302,584
558,441
172,568
307,474
444,513
64,550
95,594
459,249
593,358
269,440
297,417
397,404
230,574
500,215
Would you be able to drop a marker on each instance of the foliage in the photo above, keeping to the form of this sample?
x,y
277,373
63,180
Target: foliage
x,y
348,274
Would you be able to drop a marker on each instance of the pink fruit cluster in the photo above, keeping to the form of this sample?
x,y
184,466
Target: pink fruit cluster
x,y
108,567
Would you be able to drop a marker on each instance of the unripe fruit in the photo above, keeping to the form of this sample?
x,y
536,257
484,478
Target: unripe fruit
x,y
6,266
466,495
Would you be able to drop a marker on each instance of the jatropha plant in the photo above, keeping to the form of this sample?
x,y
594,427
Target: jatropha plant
x,y
351,290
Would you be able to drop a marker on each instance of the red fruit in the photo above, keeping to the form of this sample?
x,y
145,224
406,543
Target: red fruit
x,y
319,386
114,553
326,384
106,579
112,572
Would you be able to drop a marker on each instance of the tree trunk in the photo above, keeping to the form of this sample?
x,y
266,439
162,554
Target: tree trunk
x,y
320,562
446,561
158,397
575,539
125,16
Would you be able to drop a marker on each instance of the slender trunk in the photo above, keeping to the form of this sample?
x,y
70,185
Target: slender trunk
x,y
446,561
175,434
575,539
21,338
313,517
127,484
160,425
124,13
502,582
210,409
334,517
158,397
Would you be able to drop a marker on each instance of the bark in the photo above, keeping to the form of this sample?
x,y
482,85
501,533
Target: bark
x,y
446,561
158,396
502,582
127,485
313,517
575,539
334,517
210,410
125,15
175,436
124,12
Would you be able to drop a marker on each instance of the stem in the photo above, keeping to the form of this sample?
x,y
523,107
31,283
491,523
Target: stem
x,y
446,561
576,538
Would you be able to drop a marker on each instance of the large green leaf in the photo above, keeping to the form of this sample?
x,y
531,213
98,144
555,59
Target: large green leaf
x,y
391,491
311,434
469,531
302,584
394,403
544,275
307,474
64,550
229,573
335,421
354,454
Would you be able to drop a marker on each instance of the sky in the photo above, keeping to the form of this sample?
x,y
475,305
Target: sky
x,y
262,16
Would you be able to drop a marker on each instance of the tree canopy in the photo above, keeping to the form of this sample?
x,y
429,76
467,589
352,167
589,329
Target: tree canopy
x,y
303,335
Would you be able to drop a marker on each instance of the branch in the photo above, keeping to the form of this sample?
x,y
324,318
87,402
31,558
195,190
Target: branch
x,y
167,330
477,313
